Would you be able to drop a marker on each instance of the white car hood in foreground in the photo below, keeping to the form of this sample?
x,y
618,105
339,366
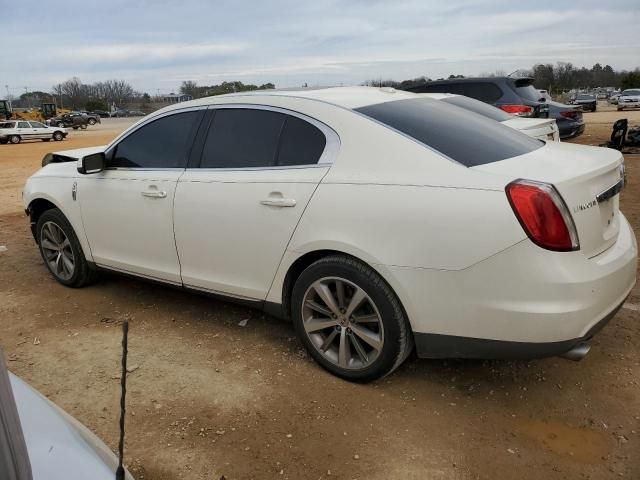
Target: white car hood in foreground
x,y
60,447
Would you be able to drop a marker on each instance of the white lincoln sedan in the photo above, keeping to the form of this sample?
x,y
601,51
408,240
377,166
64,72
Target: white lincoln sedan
x,y
376,220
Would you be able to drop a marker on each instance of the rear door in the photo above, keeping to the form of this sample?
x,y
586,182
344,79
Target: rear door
x,y
25,130
237,207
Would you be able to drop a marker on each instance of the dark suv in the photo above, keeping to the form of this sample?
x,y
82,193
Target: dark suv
x,y
516,96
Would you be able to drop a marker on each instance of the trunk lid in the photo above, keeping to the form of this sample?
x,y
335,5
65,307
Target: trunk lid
x,y
587,178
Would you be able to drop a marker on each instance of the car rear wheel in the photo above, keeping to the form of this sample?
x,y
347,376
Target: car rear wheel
x,y
57,136
349,319
61,250
14,139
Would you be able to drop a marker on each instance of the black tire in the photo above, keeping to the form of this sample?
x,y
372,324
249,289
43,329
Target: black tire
x,y
15,139
82,275
46,139
75,128
58,136
3,142
398,338
83,127
92,121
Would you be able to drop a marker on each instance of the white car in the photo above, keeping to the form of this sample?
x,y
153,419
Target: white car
x,y
375,219
629,99
15,131
541,128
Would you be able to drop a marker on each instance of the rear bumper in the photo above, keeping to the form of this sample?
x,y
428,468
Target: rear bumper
x,y
523,301
430,345
570,129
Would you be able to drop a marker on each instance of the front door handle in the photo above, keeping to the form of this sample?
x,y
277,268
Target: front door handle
x,y
274,201
153,194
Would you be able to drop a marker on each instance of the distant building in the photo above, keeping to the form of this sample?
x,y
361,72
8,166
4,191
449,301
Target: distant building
x,y
175,98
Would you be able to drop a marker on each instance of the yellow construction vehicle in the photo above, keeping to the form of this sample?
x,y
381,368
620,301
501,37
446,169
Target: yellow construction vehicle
x,y
46,111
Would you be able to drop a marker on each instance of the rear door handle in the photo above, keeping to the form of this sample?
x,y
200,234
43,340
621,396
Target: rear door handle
x,y
153,194
278,202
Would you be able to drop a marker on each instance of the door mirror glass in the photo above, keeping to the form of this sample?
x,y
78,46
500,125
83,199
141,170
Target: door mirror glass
x,y
93,163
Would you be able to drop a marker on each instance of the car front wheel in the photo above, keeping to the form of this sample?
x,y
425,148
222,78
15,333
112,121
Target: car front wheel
x,y
349,319
61,250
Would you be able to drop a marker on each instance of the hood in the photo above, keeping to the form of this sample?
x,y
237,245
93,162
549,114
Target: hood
x,y
59,446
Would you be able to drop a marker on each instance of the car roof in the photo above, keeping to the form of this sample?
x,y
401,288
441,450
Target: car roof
x,y
347,97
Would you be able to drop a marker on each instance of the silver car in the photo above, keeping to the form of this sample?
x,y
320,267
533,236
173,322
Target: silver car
x,y
15,131
40,441
629,99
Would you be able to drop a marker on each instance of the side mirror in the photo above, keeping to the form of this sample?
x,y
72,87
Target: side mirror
x,y
93,163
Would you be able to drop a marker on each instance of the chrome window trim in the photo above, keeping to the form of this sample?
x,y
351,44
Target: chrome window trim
x,y
329,153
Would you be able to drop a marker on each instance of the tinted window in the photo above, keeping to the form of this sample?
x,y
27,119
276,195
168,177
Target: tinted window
x,y
23,125
7,125
301,143
464,137
163,143
240,138
530,93
483,91
478,107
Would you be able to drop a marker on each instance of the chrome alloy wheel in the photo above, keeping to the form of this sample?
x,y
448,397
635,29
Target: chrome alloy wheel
x,y
343,323
57,251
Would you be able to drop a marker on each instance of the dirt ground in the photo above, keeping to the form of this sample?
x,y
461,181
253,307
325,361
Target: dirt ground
x,y
208,397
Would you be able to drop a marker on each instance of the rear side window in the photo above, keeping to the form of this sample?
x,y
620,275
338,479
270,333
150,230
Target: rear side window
x,y
301,143
23,125
163,143
466,138
476,106
483,91
254,138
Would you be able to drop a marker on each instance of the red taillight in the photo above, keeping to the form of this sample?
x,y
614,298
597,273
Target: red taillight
x,y
519,110
543,215
572,114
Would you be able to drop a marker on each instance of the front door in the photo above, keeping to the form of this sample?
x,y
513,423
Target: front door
x,y
127,209
235,212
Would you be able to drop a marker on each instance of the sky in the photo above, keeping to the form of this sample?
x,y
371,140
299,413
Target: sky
x,y
155,45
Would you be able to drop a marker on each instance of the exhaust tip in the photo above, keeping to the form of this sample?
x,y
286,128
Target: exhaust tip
x,y
578,352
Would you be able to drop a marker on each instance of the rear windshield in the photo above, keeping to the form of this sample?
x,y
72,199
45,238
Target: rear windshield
x,y
530,93
465,137
478,107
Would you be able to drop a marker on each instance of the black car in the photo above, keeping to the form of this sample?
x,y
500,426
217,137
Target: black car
x,y
516,96
587,102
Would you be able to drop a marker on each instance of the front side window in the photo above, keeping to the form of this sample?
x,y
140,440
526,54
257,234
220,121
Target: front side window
x,y
255,138
162,143
37,125
466,138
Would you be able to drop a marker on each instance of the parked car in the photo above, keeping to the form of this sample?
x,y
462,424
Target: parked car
x,y
586,101
120,113
74,120
541,128
92,118
516,96
40,441
568,118
16,131
372,218
629,98
613,98
136,113
102,113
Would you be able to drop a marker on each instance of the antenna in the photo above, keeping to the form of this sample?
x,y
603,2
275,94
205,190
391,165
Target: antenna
x,y
123,385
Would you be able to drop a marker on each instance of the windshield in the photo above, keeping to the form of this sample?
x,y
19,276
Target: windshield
x,y
462,136
631,92
478,107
